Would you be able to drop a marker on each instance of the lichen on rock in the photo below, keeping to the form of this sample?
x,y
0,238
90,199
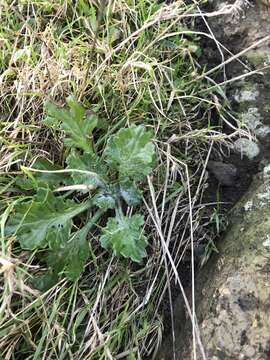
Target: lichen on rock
x,y
247,147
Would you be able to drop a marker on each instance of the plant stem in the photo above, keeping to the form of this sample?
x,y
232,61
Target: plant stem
x,y
93,220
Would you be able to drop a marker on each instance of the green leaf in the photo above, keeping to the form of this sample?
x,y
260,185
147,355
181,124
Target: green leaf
x,y
38,180
55,115
35,223
88,162
105,200
109,196
45,281
124,235
131,152
78,127
130,193
70,256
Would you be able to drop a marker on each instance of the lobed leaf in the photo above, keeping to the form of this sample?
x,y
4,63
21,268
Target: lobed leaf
x,y
45,281
124,235
46,217
105,200
89,162
130,192
70,256
131,153
77,124
37,180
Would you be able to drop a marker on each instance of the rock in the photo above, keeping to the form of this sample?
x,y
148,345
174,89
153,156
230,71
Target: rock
x,y
258,57
225,173
246,95
234,316
232,290
247,147
266,172
263,131
253,120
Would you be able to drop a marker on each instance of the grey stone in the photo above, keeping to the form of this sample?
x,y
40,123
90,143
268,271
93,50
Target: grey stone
x,y
262,131
266,172
246,95
253,120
